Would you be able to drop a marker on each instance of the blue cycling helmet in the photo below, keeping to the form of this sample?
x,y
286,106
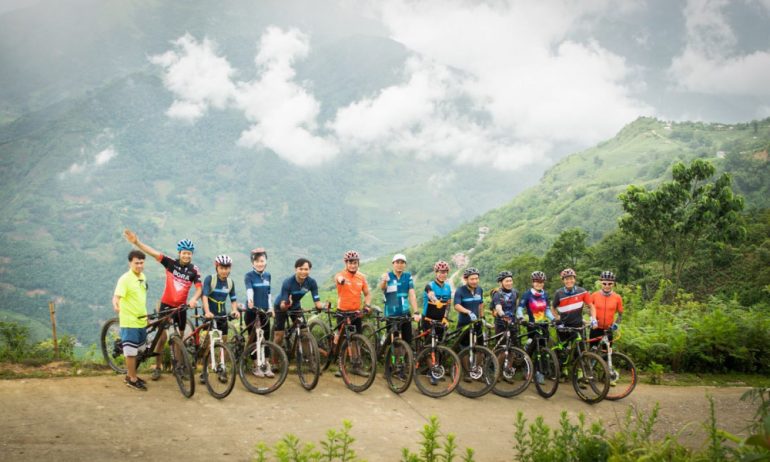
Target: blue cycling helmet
x,y
185,244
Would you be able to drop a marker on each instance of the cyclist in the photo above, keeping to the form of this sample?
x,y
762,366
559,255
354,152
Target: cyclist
x,y
398,289
130,302
535,302
504,300
181,274
216,290
568,303
292,290
469,302
351,285
607,303
258,296
436,297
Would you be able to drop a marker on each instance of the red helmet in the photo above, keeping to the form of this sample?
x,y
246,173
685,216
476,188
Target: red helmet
x,y
351,255
255,253
568,272
441,265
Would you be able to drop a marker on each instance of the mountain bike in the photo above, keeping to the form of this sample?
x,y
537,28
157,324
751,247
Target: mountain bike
x,y
480,368
181,364
436,366
302,347
544,359
588,371
397,355
354,353
263,365
623,377
205,343
516,366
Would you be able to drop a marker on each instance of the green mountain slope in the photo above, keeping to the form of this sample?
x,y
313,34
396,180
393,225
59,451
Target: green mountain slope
x,y
582,189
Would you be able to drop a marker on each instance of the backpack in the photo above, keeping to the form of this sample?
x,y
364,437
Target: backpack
x,y
213,284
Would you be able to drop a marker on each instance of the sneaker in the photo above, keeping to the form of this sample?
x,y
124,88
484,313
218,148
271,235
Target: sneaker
x,y
433,380
338,373
357,371
203,379
614,383
138,385
155,374
539,378
258,372
269,373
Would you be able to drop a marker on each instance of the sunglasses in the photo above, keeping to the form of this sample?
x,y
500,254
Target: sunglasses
x,y
607,283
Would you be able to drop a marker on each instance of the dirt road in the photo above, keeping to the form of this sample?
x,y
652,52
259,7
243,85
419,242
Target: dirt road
x,y
99,418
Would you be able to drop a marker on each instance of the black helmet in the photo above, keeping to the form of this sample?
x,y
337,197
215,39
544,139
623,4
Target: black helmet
x,y
503,275
470,271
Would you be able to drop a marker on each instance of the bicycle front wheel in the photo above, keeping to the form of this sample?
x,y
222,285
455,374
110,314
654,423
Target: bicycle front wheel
x,y
515,371
182,366
264,371
436,371
357,362
590,377
623,376
547,371
399,365
220,373
322,335
112,349
308,360
479,371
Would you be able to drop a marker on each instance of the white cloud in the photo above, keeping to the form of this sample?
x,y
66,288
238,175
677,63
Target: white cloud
x,y
88,165
709,62
105,156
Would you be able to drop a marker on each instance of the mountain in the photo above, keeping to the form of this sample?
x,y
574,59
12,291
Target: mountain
x,y
581,191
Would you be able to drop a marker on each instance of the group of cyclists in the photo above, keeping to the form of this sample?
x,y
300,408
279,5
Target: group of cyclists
x,y
566,307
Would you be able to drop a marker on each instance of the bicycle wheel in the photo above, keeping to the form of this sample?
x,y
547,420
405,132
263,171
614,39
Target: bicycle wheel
x,y
590,377
436,371
308,361
623,376
182,367
253,368
323,337
547,372
220,376
357,362
112,350
478,375
515,371
399,365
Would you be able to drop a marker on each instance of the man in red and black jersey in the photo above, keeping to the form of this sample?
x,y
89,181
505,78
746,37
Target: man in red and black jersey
x,y
568,303
181,275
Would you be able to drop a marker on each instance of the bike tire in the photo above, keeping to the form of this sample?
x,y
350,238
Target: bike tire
x,y
112,350
308,361
248,364
479,380
182,367
221,379
399,366
357,373
546,363
623,373
516,370
323,338
436,371
595,377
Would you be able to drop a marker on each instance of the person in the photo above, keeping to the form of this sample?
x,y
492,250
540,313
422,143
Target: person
x,y
535,302
469,302
504,300
437,295
289,299
400,300
568,303
181,275
130,302
217,289
351,286
607,303
258,296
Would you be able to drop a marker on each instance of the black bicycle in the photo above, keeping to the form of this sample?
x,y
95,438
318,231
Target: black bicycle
x,y
588,371
544,359
480,368
302,347
436,366
516,368
396,354
354,353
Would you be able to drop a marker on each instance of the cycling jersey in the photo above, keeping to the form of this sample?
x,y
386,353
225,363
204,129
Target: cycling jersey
x,y
507,299
536,304
443,293
349,292
397,294
132,290
179,279
297,290
258,288
569,304
606,306
470,300
218,296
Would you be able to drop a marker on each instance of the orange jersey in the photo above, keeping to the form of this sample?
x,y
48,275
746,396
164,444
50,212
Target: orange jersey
x,y
349,292
606,307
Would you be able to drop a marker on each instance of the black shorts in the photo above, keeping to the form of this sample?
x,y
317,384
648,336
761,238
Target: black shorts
x,y
425,326
598,334
406,330
264,320
282,316
222,325
180,319
465,338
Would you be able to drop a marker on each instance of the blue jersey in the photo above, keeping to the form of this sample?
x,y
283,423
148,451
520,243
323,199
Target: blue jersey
x,y
218,296
470,300
507,300
292,287
397,294
259,285
443,293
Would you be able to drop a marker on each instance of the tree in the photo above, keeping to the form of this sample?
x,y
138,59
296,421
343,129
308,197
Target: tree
x,y
522,267
567,251
673,221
